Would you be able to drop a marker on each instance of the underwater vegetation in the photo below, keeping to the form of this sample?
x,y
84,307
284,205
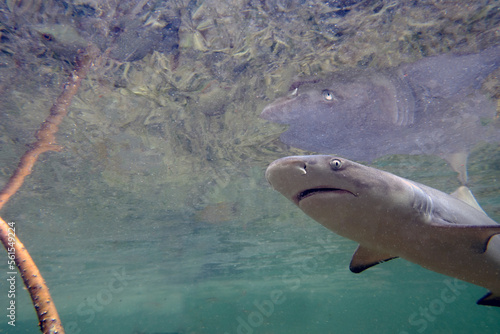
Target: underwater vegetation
x,y
166,121
190,97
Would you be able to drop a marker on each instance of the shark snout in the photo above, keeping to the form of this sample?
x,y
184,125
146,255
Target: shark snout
x,y
283,110
288,176
290,166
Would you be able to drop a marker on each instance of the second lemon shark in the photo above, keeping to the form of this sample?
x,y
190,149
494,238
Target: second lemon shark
x,y
431,107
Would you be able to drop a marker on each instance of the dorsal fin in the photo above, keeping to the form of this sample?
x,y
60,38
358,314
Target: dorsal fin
x,y
465,195
458,161
364,258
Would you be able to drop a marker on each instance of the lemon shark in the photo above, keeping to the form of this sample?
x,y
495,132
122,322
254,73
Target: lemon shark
x,y
430,107
391,217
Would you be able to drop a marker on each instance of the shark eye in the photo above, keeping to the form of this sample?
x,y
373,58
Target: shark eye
x,y
328,95
335,164
47,37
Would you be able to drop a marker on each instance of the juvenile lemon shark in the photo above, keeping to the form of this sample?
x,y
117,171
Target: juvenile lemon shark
x,y
391,217
430,107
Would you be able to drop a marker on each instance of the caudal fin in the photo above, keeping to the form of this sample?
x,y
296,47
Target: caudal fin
x,y
490,299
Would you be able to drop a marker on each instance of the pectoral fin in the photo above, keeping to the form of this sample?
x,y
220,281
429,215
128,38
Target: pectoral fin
x,y
365,258
490,299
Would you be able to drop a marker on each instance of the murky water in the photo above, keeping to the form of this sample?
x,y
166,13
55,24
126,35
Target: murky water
x,y
156,217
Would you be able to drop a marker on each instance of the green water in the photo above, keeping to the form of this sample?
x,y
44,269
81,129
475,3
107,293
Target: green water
x,y
156,217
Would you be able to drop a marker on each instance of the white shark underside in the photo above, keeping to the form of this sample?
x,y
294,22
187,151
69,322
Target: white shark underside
x,y
390,217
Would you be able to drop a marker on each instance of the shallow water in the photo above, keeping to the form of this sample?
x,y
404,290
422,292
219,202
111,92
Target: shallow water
x,y
156,217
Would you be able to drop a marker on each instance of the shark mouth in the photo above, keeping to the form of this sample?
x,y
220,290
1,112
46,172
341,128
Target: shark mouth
x,y
311,192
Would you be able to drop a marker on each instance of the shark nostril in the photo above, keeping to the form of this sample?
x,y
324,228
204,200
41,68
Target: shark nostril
x,y
302,168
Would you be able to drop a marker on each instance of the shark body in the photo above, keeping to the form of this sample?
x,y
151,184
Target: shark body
x,y
430,107
391,217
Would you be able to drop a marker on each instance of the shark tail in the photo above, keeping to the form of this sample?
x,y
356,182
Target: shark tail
x,y
490,299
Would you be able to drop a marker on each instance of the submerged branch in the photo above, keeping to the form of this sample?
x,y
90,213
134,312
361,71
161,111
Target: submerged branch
x,y
48,317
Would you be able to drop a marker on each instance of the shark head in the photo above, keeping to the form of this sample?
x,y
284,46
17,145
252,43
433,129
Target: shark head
x,y
338,100
301,178
320,112
344,196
